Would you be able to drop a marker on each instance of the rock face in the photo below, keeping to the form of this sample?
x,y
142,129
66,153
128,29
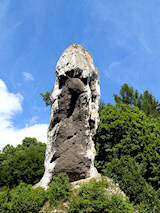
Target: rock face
x,y
74,117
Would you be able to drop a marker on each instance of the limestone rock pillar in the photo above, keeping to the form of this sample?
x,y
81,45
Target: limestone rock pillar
x,y
74,117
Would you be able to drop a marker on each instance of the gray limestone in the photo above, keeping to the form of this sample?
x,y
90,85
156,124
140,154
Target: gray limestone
x,y
74,117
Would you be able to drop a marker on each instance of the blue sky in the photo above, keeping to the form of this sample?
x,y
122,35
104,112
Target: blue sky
x,y
122,36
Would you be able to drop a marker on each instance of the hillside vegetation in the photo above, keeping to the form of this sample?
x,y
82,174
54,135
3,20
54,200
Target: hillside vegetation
x,y
128,151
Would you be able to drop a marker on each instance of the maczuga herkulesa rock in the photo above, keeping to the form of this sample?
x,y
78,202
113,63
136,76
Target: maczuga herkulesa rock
x,y
73,119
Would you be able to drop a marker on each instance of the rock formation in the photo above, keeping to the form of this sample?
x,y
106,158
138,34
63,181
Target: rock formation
x,y
74,117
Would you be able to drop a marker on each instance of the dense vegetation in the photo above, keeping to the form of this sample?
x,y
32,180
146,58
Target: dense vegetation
x,y
23,163
145,101
24,198
128,151
93,197
59,189
128,146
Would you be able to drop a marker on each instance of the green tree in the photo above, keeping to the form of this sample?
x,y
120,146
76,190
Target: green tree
x,y
23,163
22,199
126,95
26,142
47,97
126,131
129,174
128,144
145,101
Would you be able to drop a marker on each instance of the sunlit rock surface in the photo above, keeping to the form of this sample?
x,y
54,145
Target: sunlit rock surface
x,y
74,117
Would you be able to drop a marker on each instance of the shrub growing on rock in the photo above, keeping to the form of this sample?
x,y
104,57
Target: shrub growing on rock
x,y
93,197
59,188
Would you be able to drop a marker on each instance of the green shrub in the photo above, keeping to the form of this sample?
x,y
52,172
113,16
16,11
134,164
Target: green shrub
x,y
93,197
128,173
22,199
151,202
59,188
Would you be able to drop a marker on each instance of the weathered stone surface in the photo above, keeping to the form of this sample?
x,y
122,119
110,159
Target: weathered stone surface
x,y
74,117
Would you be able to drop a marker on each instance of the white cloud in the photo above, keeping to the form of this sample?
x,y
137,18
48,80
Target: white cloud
x,y
10,105
15,137
28,76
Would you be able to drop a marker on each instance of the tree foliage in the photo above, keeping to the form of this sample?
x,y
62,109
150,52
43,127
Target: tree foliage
x,y
145,101
23,163
25,199
129,174
128,144
22,199
47,97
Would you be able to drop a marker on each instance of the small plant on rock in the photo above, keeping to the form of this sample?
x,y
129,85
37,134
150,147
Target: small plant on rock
x,y
59,189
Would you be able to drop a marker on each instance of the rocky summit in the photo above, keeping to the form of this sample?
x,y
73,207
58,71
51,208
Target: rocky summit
x,y
74,117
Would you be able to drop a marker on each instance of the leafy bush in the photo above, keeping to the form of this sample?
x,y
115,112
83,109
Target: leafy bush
x,y
22,199
59,188
93,197
128,173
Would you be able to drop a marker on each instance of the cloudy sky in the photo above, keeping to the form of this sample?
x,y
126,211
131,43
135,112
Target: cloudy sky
x,y
122,36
